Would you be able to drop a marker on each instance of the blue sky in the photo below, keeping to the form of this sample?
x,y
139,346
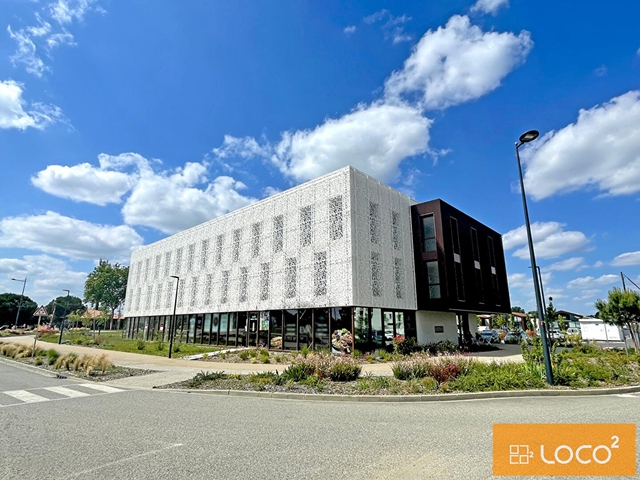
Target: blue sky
x,y
124,122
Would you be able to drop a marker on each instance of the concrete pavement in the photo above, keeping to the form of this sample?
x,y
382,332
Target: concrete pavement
x,y
171,370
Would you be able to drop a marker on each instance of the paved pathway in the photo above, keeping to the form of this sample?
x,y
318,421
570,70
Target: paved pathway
x,y
170,370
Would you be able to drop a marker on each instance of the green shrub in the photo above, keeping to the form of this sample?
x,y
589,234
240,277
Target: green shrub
x,y
176,349
344,369
298,371
497,376
253,353
442,347
313,381
52,356
265,359
304,351
416,366
200,378
38,361
262,379
429,383
244,354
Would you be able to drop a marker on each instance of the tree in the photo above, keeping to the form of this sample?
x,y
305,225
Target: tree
x,y
562,323
9,303
622,309
106,286
517,309
63,305
551,315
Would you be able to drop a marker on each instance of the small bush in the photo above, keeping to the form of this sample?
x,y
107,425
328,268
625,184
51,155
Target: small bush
x,y
497,376
140,344
52,356
417,366
298,371
442,347
222,355
202,377
103,363
265,359
243,355
260,380
344,369
39,361
304,351
253,353
65,361
176,349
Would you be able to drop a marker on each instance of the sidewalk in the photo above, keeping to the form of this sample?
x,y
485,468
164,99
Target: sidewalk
x,y
171,370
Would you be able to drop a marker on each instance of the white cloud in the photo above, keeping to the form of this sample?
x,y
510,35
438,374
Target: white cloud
x,y
572,263
489,6
458,63
171,201
26,53
14,115
393,27
83,183
626,259
66,11
374,139
46,277
65,236
601,150
549,240
592,283
601,71
349,29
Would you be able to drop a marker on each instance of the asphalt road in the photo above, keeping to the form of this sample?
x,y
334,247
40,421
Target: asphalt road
x,y
160,434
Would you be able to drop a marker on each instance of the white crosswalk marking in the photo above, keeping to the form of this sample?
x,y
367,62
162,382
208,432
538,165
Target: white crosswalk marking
x,y
26,397
67,392
102,388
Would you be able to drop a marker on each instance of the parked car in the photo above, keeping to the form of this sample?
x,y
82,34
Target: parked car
x,y
573,331
556,335
516,338
490,335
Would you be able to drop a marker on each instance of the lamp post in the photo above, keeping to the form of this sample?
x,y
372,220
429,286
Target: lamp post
x,y
526,138
173,318
66,307
24,284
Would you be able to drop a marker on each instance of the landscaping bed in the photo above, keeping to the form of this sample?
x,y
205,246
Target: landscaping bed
x,y
414,374
97,368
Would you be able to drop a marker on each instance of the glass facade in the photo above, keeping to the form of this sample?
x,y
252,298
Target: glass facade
x,y
338,329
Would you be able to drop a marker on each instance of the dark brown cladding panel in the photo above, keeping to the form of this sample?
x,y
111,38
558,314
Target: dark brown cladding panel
x,y
478,292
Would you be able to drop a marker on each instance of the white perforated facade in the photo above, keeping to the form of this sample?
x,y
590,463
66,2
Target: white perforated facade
x,y
343,239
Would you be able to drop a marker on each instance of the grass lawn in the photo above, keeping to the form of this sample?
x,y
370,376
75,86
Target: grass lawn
x,y
114,341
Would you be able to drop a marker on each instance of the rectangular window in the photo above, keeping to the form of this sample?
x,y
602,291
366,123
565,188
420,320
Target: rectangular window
x,y
224,287
476,265
147,264
306,224
181,292
204,253
244,283
374,222
138,271
291,271
156,268
320,274
167,264
395,230
237,233
178,261
219,246
194,291
428,227
494,274
278,233
457,262
398,274
191,253
138,297
335,217
433,279
376,274
256,230
264,281
207,288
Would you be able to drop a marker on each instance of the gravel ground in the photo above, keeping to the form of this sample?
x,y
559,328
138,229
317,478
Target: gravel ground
x,y
113,373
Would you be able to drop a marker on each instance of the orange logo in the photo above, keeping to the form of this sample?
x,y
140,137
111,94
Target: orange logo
x,y
564,449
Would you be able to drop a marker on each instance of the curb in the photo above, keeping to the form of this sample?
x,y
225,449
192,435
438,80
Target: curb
x,y
29,368
440,397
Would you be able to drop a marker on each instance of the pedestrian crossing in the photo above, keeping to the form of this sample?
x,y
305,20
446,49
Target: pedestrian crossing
x,y
46,394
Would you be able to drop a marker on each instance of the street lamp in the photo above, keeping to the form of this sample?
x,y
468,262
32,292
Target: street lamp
x,y
526,138
173,318
24,284
66,307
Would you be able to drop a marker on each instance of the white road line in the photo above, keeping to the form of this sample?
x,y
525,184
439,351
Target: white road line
x,y
26,397
67,392
627,395
102,388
